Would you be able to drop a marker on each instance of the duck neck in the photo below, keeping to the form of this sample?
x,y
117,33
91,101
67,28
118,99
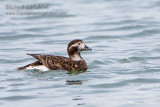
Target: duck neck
x,y
75,56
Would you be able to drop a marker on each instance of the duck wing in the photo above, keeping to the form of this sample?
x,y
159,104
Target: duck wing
x,y
50,61
36,56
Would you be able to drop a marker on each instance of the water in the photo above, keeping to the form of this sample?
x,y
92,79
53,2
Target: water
x,y
124,68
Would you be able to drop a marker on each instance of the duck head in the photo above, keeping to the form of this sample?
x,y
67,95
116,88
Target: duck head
x,y
74,49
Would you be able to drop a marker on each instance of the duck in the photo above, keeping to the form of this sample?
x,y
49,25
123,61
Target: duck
x,y
51,62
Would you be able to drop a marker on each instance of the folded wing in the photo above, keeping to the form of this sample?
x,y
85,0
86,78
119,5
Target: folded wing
x,y
52,62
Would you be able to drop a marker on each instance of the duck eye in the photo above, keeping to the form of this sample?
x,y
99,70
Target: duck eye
x,y
79,43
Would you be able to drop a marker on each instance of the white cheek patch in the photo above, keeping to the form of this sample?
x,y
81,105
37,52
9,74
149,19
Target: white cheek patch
x,y
74,45
82,45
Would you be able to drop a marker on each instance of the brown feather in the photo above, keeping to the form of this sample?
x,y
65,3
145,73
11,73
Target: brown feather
x,y
59,62
74,62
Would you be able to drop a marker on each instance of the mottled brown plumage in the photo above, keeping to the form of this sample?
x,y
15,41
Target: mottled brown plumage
x,y
74,62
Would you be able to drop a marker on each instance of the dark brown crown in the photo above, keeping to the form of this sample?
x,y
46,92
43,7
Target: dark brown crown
x,y
74,41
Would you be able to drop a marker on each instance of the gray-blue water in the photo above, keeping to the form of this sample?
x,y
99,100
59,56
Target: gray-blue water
x,y
124,65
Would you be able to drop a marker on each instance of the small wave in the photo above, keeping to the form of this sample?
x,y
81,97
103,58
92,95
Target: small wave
x,y
144,33
16,98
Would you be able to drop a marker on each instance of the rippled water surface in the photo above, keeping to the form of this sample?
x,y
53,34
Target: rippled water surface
x,y
124,65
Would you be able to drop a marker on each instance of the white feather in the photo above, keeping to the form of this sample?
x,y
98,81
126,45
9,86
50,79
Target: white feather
x,y
39,67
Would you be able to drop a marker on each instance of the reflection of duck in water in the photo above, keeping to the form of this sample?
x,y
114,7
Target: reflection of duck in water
x,y
76,82
51,62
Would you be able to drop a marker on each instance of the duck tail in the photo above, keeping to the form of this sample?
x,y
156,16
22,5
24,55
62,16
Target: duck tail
x,y
32,64
22,68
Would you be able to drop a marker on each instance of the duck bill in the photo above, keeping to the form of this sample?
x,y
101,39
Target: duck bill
x,y
86,48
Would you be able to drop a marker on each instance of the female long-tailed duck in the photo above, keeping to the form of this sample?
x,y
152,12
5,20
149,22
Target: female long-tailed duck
x,y
50,62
